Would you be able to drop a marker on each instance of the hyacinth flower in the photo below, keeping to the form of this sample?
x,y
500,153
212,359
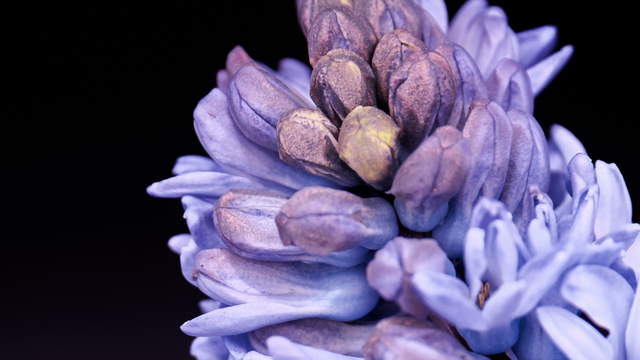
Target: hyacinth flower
x,y
398,199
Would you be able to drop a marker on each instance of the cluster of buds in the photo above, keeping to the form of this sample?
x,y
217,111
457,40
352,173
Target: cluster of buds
x,y
396,200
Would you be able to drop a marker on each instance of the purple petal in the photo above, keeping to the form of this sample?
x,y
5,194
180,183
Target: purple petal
x,y
282,348
177,242
536,43
584,286
187,261
543,72
449,297
438,11
575,338
190,163
297,76
509,85
463,18
539,171
534,343
632,256
236,154
200,183
501,252
614,203
475,260
198,214
493,340
567,144
633,329
494,182
541,274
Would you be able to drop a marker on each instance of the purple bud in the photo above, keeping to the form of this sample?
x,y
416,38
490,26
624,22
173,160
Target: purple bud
x,y
368,143
432,175
258,99
509,86
385,16
308,140
339,28
309,9
340,81
322,220
392,50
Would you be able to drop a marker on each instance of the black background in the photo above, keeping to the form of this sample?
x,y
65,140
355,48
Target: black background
x,y
102,107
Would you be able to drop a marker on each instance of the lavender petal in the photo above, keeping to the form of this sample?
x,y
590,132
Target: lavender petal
x,y
543,72
190,163
536,44
282,348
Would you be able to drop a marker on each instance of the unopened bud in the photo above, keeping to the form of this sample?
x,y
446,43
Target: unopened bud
x,y
340,82
384,16
308,140
323,220
368,143
309,9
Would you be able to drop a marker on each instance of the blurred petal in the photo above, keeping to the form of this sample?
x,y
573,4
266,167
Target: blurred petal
x,y
584,287
199,216
208,348
539,173
475,260
536,43
296,75
322,220
329,335
497,339
567,143
577,339
449,297
614,203
463,18
233,152
501,252
281,348
438,11
177,242
543,72
191,163
633,329
632,256
534,343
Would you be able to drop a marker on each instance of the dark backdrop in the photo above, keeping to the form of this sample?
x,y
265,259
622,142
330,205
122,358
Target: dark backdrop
x,y
110,95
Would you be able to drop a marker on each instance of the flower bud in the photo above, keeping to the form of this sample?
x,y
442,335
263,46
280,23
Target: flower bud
x,y
309,9
403,337
307,140
258,99
341,81
368,143
392,50
432,175
385,16
322,220
339,28
334,336
421,95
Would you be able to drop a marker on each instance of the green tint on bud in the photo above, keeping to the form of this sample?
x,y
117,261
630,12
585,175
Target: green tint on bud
x,y
390,53
432,175
340,82
309,9
308,140
421,95
322,220
368,143
339,28
384,16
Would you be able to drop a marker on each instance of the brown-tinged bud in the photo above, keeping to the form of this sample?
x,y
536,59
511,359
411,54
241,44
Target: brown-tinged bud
x,y
368,143
392,50
384,16
236,59
258,99
330,335
322,220
339,28
340,82
308,140
309,9
408,338
431,176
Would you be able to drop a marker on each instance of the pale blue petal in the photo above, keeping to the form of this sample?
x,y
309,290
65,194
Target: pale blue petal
x,y
297,76
438,11
449,297
633,329
494,182
239,319
509,86
208,305
574,337
541,274
614,204
501,252
199,217
237,345
632,256
536,43
543,72
208,348
567,144
254,355
584,287
460,24
539,239
504,304
625,234
492,341
282,348
539,171
475,261
187,260
534,343
207,184
236,154
519,160
625,271
177,242
190,163
580,232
